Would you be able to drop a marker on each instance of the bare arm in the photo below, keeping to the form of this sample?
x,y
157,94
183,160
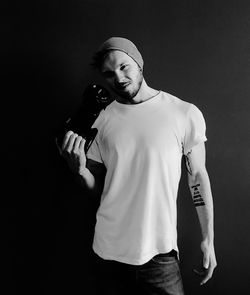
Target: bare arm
x,y
90,174
200,189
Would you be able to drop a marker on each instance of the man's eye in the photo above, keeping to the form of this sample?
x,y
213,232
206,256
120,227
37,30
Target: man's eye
x,y
123,67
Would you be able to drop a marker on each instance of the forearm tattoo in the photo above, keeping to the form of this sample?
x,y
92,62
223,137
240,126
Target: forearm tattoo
x,y
197,198
188,165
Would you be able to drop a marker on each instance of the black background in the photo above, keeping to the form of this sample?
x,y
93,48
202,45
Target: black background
x,y
196,50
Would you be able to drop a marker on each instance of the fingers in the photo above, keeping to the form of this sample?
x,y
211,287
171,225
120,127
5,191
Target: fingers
x,y
206,273
82,143
73,151
209,273
72,142
206,261
77,142
66,139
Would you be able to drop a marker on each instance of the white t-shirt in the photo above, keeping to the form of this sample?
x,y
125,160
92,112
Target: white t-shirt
x,y
141,146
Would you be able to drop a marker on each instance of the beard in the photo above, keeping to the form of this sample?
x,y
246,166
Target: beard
x,y
130,91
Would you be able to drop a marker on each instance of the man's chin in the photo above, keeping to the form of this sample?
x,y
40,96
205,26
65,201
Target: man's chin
x,y
124,93
127,96
127,92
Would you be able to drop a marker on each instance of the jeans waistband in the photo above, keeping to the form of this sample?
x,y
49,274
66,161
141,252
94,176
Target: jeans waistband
x,y
172,253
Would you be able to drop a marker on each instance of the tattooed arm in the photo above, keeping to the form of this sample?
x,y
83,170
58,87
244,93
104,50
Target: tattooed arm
x,y
199,185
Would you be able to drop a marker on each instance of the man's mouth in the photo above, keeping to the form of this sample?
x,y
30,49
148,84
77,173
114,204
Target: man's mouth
x,y
122,86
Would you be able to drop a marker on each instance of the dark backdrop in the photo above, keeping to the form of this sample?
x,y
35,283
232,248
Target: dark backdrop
x,y
196,50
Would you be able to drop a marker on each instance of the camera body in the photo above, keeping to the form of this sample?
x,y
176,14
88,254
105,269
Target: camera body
x,y
95,99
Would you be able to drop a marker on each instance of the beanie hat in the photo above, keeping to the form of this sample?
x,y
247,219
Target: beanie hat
x,y
121,44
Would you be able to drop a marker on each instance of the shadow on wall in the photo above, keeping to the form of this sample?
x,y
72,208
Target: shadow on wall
x,y
49,220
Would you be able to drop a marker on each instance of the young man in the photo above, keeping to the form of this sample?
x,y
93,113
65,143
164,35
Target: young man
x,y
135,164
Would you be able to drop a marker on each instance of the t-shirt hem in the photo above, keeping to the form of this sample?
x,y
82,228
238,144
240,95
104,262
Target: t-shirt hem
x,y
133,261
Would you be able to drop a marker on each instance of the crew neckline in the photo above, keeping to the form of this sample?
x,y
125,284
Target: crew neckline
x,y
146,102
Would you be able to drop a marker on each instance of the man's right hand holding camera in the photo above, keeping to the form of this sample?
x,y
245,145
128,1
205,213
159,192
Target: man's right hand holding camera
x,y
89,173
72,151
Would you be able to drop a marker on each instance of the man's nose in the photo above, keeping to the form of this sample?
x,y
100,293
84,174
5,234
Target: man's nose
x,y
119,77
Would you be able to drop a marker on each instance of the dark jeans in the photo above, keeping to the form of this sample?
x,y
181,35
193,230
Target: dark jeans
x,y
161,275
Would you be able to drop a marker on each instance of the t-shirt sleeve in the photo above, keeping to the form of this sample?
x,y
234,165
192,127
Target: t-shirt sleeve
x,y
195,129
94,152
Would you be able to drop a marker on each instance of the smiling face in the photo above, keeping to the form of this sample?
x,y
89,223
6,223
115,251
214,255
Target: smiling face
x,y
122,74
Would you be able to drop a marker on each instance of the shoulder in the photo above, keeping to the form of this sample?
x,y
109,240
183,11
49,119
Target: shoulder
x,y
177,103
184,106
104,115
183,111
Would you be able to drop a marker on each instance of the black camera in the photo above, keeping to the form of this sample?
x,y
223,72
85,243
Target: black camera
x,y
95,99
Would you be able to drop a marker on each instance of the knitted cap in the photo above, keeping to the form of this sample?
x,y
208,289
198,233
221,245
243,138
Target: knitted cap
x,y
121,44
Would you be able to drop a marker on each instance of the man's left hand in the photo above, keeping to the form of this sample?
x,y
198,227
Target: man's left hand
x,y
209,262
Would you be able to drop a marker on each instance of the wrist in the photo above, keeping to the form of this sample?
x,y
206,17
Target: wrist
x,y
208,241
